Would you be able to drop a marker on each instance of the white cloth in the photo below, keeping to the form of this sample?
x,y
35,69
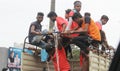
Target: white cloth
x,y
69,24
55,28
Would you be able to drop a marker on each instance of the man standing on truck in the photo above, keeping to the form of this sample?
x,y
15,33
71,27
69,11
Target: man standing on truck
x,y
57,54
103,20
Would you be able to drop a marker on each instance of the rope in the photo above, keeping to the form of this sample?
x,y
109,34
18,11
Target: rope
x,y
48,66
56,50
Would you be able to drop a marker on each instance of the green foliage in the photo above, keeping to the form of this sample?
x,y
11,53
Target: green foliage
x,y
75,53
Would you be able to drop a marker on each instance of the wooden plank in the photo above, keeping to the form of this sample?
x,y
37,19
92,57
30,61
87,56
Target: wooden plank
x,y
26,56
33,63
31,68
97,62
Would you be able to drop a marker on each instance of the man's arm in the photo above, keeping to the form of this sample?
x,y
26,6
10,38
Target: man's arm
x,y
80,29
64,26
33,30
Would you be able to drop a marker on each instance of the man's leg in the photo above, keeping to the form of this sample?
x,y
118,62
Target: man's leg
x,y
81,42
65,43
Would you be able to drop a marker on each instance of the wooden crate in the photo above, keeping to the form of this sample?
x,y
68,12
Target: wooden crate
x,y
98,62
33,63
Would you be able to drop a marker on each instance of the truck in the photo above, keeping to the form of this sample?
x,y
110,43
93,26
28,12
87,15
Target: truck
x,y
97,61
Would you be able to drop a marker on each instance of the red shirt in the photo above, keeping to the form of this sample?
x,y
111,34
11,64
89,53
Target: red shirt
x,y
60,21
74,26
63,62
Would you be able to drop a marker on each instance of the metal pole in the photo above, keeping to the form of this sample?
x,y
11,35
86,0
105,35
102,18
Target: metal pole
x,y
52,5
51,25
52,8
56,51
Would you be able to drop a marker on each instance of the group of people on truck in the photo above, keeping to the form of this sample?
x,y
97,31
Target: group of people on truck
x,y
74,29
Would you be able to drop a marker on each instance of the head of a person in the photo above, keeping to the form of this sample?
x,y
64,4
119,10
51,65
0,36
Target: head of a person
x,y
77,5
16,55
67,13
40,16
104,19
52,15
77,17
87,14
12,54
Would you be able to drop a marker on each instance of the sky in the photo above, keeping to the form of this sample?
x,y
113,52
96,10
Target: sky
x,y
16,16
